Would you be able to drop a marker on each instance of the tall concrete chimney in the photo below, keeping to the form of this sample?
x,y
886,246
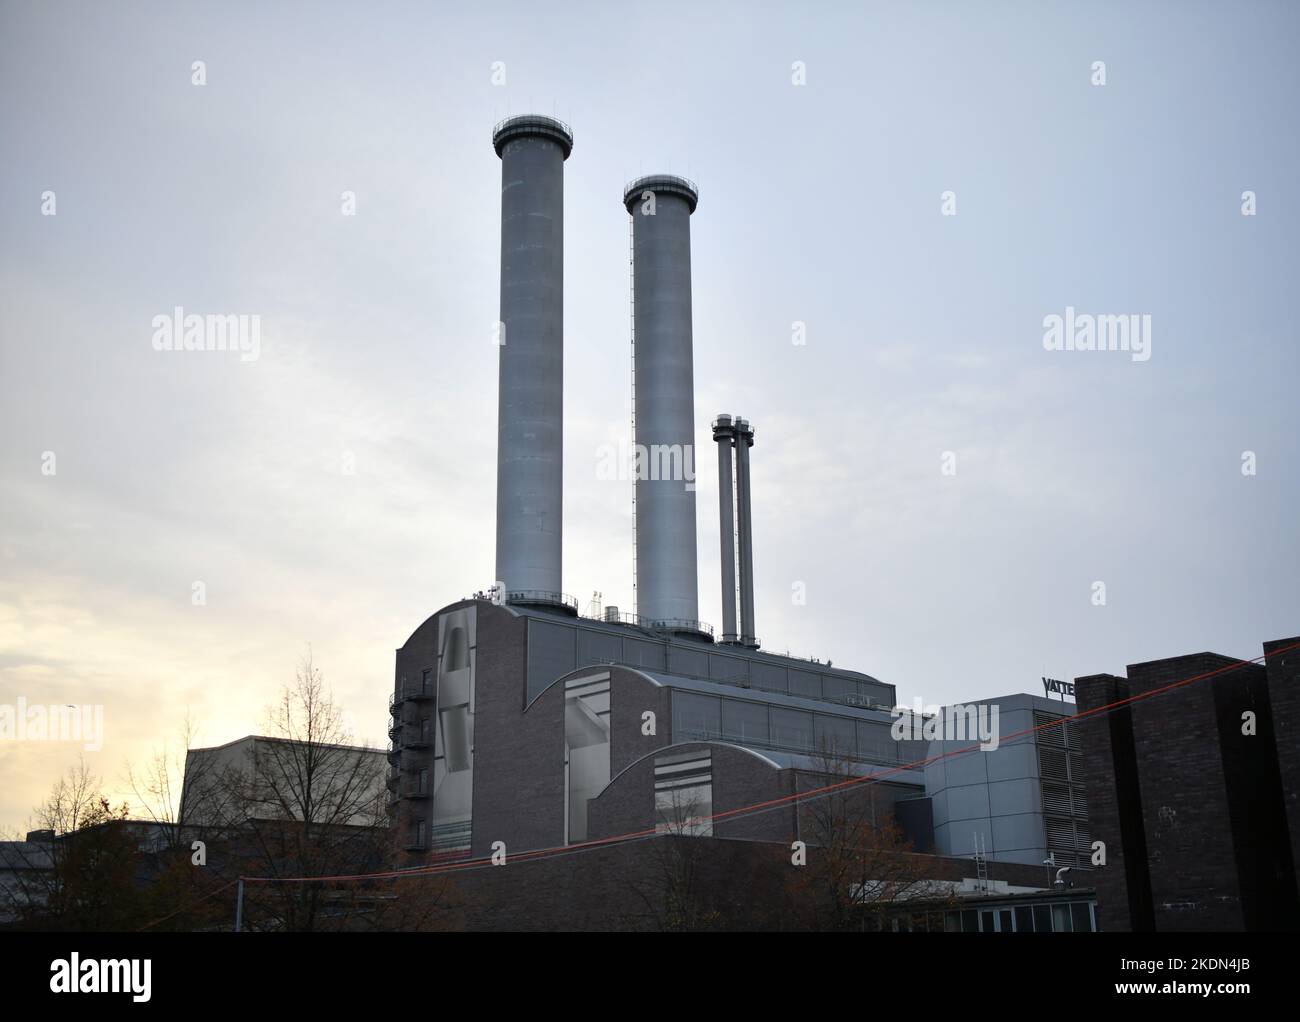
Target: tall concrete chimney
x,y
744,521
660,207
724,436
530,403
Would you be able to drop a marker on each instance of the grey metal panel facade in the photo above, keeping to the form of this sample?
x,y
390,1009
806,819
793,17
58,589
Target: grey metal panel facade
x,y
641,653
688,661
736,664
733,669
598,648
718,688
552,652
996,794
531,370
667,584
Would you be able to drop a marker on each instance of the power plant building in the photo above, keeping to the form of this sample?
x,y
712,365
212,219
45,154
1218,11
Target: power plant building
x,y
514,718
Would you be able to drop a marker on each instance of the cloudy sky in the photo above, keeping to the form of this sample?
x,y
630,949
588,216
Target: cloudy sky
x,y
821,203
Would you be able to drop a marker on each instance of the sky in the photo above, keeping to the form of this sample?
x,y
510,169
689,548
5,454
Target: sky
x,y
943,490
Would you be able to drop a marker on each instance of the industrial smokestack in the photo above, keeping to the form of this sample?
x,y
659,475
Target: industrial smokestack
x,y
660,207
724,435
744,441
530,402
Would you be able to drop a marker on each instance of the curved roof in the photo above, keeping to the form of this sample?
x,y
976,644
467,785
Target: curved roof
x,y
775,759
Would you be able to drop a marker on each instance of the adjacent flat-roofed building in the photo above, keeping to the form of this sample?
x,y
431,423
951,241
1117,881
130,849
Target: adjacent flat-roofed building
x,y
263,778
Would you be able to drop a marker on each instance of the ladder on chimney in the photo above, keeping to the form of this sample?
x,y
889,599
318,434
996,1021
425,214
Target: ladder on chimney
x,y
631,288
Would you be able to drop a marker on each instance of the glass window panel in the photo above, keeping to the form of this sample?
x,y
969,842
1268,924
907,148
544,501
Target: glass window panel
x,y
803,683
768,677
1081,917
792,729
839,689
834,737
1024,919
695,716
876,743
744,722
1061,918
685,811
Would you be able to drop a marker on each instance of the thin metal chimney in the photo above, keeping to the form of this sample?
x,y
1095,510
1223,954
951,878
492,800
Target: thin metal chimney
x,y
724,435
530,402
744,441
666,583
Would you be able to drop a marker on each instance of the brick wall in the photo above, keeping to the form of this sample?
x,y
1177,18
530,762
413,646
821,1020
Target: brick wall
x,y
1283,671
1115,805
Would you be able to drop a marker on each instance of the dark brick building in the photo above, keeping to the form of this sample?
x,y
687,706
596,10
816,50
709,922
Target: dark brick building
x,y
1282,662
1189,786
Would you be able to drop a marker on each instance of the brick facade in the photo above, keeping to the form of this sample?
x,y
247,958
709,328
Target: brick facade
x,y
1186,787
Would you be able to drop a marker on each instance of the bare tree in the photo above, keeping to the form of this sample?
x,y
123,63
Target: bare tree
x,y
79,875
675,893
308,805
861,866
168,787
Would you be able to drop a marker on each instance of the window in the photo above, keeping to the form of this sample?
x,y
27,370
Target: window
x,y
1042,919
426,681
768,677
1061,918
744,722
423,789
802,683
684,794
695,716
792,729
455,650
730,669
1081,917
586,747
876,743
1024,919
839,690
834,737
